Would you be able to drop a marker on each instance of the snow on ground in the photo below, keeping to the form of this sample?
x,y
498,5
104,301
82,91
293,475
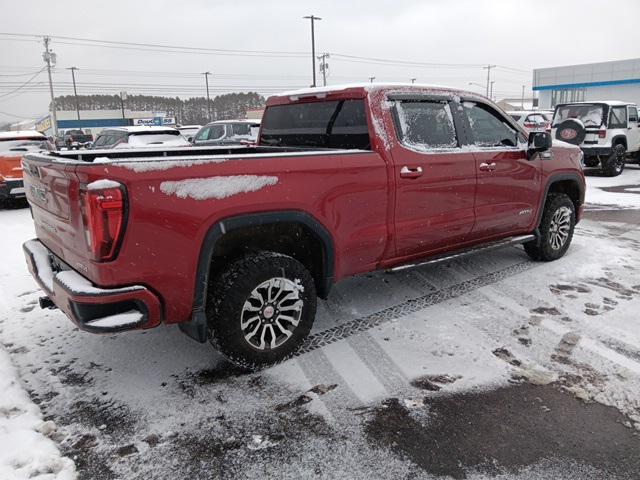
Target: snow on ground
x,y
625,193
491,366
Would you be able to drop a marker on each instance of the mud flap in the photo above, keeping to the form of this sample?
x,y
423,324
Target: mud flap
x,y
196,328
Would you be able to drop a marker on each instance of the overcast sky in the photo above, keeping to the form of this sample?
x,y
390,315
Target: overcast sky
x,y
517,35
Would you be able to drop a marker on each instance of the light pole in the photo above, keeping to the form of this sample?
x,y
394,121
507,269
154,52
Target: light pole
x,y
206,81
491,90
371,79
75,92
488,68
324,66
413,80
313,18
522,100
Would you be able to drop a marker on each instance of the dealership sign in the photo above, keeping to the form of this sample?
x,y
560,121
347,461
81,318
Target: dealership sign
x,y
159,121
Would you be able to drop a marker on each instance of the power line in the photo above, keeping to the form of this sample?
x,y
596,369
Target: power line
x,y
24,84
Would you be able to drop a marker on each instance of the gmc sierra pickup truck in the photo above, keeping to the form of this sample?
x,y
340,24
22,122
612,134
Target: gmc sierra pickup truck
x,y
235,243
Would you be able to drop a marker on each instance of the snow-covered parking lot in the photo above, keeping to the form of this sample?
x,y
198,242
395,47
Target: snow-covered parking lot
x,y
491,366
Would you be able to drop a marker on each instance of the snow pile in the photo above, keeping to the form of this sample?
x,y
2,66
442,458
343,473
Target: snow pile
x,y
216,187
24,451
102,184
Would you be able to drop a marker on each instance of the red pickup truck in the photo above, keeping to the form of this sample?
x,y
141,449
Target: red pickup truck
x,y
235,243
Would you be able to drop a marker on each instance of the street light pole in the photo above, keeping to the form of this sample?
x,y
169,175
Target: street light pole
x,y
206,81
50,58
75,92
324,66
313,18
413,80
491,90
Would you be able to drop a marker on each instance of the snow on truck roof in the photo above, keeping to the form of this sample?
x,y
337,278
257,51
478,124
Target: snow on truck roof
x,y
368,87
17,135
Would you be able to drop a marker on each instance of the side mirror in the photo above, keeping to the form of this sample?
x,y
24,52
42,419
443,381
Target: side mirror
x,y
540,141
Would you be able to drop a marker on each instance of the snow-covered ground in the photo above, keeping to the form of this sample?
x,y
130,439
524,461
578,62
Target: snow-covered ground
x,y
487,367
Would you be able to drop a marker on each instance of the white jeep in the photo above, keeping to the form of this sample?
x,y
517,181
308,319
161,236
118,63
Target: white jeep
x,y
606,131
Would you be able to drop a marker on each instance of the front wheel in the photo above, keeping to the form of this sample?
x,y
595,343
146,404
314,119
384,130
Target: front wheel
x,y
614,165
261,309
556,229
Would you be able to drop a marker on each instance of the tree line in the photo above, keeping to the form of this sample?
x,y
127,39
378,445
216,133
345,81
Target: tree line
x,y
188,111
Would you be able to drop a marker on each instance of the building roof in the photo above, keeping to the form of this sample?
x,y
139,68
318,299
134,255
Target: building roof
x,y
20,134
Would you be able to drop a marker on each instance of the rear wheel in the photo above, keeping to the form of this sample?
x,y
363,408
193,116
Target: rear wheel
x,y
556,229
614,165
260,309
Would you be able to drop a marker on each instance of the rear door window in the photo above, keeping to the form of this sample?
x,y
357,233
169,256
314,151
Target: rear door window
x,y
488,128
425,125
326,124
618,117
633,114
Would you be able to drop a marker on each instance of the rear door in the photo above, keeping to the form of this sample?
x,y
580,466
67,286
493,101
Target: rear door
x,y
435,177
508,182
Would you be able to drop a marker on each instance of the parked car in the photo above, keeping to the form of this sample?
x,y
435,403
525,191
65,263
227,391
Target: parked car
x,y
606,131
13,145
533,120
74,139
235,247
228,132
189,131
139,137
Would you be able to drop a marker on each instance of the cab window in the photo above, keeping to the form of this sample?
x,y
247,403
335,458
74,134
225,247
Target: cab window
x,y
488,128
425,125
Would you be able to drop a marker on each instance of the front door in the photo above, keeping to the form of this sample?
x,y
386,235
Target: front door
x,y
435,177
508,181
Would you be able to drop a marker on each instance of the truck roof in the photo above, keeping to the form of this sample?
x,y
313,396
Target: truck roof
x,y
361,89
18,134
614,103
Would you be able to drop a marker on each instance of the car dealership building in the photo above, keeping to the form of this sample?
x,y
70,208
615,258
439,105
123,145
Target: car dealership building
x,y
619,80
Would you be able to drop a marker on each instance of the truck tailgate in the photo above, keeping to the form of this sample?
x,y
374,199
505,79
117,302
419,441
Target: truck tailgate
x,y
52,190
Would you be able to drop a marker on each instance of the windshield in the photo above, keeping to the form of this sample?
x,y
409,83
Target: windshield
x,y
590,115
24,145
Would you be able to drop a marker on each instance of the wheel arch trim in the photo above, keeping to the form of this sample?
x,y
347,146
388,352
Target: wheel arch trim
x,y
196,327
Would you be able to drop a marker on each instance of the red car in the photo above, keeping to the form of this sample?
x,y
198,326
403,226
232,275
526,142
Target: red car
x,y
234,243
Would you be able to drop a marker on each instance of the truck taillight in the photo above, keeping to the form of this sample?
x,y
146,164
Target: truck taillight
x,y
602,133
103,212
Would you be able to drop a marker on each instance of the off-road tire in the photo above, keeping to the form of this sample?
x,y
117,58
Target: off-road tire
x,y
542,249
614,165
229,291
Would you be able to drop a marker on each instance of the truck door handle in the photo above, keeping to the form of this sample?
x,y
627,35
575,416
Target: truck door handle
x,y
406,172
487,167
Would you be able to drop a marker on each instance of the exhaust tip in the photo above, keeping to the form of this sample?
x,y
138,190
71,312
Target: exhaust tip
x,y
46,303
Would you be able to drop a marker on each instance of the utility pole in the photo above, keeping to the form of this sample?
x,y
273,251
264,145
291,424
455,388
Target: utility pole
x,y
75,92
488,68
371,79
413,80
123,97
206,81
313,18
50,60
324,66
491,90
522,100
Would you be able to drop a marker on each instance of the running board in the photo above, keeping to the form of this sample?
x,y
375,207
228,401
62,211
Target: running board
x,y
486,247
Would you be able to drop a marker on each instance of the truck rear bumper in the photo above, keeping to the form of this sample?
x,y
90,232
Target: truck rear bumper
x,y
91,308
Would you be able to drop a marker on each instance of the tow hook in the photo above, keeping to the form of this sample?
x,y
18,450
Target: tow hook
x,y
46,302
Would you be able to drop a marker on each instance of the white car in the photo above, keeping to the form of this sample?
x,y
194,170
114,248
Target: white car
x,y
606,131
189,131
139,137
533,120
